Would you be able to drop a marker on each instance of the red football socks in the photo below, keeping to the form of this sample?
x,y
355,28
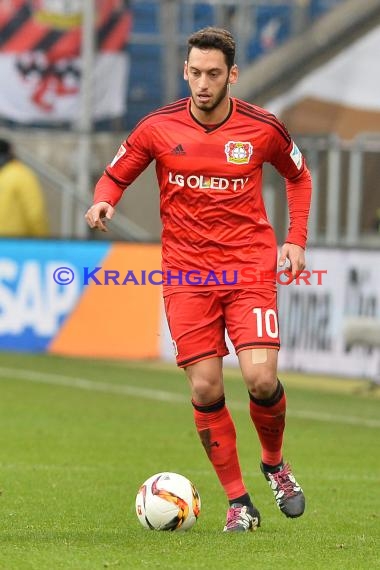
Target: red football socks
x,y
218,436
269,419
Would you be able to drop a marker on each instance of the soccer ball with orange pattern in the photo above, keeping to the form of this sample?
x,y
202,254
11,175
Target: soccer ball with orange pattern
x,y
168,501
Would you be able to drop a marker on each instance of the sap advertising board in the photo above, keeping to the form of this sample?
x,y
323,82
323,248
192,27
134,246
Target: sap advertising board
x,y
33,305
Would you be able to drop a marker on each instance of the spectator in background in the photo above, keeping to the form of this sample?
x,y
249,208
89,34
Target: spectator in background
x,y
22,207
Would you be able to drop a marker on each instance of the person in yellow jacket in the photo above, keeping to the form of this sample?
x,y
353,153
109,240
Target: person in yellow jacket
x,y
22,206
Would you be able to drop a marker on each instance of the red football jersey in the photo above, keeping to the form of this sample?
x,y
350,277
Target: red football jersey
x,y
212,209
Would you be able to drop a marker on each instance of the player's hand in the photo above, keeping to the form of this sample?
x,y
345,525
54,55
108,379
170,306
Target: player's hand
x,y
97,215
295,254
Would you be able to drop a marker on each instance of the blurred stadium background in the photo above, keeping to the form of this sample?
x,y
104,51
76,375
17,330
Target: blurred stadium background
x,y
78,75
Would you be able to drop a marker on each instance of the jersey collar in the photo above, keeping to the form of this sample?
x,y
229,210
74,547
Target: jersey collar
x,y
211,128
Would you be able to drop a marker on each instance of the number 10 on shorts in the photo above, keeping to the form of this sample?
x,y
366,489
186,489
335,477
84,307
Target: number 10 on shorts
x,y
266,320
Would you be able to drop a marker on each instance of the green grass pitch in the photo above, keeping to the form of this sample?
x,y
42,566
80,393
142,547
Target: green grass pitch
x,y
77,437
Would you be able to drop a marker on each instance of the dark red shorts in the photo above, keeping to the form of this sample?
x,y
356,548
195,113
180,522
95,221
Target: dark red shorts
x,y
198,321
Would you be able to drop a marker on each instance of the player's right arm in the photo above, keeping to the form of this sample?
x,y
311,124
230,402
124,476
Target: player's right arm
x,y
132,158
97,215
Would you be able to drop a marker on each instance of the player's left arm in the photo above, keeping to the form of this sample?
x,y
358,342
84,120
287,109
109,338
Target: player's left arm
x,y
295,254
289,161
298,192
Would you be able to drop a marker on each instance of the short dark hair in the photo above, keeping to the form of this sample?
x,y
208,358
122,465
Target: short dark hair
x,y
214,38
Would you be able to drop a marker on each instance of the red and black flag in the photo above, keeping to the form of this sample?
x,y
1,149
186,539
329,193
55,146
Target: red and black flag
x,y
40,63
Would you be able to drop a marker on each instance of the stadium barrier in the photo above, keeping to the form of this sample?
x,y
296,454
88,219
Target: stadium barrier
x,y
101,299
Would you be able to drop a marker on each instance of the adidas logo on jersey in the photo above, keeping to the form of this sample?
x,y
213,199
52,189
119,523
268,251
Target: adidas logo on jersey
x,y
178,150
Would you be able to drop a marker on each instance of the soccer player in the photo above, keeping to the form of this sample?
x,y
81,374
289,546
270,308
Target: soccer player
x,y
219,255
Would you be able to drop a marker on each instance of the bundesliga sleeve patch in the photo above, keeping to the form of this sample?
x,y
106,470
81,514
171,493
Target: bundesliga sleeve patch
x,y
296,156
121,152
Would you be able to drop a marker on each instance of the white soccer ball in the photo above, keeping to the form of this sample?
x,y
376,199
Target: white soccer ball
x,y
168,501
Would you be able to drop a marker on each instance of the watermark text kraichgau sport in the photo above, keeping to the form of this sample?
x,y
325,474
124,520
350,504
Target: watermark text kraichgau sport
x,y
242,277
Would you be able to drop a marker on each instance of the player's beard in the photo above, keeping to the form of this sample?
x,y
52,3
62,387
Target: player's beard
x,y
212,105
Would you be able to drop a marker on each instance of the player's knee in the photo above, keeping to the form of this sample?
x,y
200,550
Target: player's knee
x,y
262,384
205,387
206,381
259,369
206,390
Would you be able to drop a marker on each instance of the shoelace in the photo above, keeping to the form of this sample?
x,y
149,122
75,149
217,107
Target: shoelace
x,y
283,481
233,515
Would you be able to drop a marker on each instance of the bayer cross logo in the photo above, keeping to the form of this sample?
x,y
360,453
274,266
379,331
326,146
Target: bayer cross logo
x,y
238,152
